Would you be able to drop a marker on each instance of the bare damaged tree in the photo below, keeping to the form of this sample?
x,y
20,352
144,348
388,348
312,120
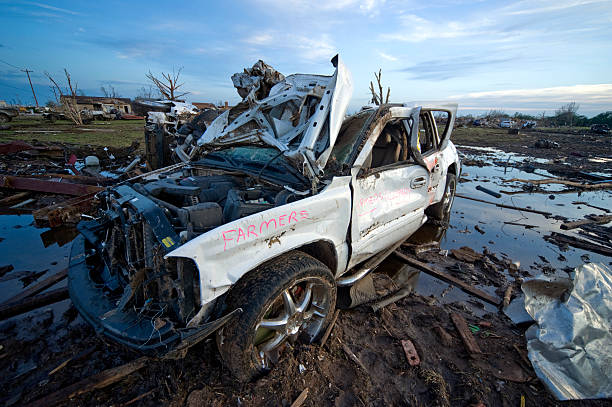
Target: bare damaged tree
x,y
168,84
109,91
568,112
67,98
378,98
149,93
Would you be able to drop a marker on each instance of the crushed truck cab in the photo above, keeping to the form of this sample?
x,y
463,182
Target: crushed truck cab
x,y
281,200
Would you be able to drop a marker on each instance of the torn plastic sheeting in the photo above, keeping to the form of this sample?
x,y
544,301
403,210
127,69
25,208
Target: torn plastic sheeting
x,y
571,345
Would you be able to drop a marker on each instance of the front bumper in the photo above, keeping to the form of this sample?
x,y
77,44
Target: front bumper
x,y
127,326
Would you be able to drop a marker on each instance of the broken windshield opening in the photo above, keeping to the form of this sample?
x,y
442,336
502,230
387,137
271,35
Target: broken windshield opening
x,y
255,159
347,138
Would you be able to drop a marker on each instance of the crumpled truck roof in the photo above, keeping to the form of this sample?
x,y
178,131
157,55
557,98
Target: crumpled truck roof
x,y
301,115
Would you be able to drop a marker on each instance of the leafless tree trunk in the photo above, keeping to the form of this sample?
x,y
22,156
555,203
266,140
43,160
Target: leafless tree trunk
x,y
67,99
148,93
568,112
377,98
168,84
109,91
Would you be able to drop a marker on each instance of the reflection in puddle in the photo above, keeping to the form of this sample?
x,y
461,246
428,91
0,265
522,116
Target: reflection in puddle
x,y
31,251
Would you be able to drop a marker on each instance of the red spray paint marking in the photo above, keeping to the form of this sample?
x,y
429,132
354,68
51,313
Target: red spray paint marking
x,y
237,235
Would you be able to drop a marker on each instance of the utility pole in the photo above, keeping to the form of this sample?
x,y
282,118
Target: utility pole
x,y
27,71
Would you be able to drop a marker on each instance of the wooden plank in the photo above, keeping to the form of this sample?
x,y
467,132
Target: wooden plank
x,y
330,327
595,185
52,187
97,381
36,288
465,333
595,219
10,200
580,243
301,398
449,279
516,208
411,354
8,310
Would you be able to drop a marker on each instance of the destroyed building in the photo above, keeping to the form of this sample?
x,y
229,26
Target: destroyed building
x,y
105,104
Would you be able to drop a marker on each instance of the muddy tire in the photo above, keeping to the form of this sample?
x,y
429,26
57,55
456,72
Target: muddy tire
x,y
4,118
290,298
441,210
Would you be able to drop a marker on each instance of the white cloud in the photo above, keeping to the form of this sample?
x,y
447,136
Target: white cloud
x,y
302,6
530,7
53,8
419,29
387,57
308,48
594,93
261,39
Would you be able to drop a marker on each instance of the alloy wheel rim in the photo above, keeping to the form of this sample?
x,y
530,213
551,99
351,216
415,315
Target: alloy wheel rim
x,y
299,310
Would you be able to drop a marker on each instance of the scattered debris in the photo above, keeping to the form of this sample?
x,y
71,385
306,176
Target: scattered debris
x,y
592,186
591,220
301,398
23,305
465,333
330,327
563,240
544,143
411,354
488,191
35,289
516,208
448,278
98,381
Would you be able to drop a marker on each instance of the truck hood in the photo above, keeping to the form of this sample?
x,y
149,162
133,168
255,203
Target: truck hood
x,y
301,115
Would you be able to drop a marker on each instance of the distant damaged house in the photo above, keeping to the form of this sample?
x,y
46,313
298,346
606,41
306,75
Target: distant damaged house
x,y
204,106
105,104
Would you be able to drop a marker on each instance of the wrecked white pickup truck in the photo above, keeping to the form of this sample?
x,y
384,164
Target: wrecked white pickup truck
x,y
281,200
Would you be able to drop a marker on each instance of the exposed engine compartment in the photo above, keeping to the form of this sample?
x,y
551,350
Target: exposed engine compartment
x,y
140,222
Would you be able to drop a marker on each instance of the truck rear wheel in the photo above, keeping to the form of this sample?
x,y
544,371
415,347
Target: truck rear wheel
x,y
4,118
290,298
441,210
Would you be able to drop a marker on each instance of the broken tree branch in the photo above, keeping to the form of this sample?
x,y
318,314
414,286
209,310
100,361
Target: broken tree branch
x,y
352,356
377,97
168,84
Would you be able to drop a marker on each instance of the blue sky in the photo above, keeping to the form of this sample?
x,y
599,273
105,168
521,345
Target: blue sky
x,y
528,56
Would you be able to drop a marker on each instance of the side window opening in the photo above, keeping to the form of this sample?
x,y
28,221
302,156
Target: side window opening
x,y
392,146
442,120
427,134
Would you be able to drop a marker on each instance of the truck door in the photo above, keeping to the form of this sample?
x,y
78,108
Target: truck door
x,y
426,151
390,188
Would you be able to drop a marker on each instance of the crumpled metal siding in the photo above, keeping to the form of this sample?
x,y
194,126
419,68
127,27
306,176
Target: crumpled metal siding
x,y
570,347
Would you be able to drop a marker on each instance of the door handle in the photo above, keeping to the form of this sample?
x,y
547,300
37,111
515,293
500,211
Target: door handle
x,y
418,182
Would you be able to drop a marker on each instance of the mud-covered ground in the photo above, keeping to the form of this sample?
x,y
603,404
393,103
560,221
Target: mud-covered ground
x,y
51,348
559,150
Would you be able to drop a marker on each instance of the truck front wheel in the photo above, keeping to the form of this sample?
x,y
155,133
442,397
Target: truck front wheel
x,y
288,299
